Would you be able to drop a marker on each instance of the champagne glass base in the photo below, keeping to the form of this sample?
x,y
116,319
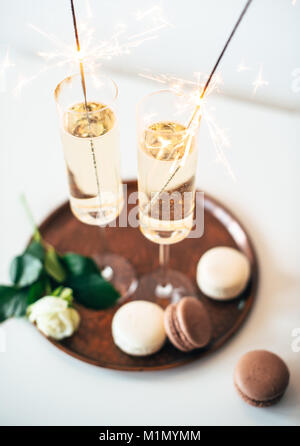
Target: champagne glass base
x,y
164,287
119,271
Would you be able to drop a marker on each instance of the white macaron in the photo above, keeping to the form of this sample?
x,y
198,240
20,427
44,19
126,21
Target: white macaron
x,y
138,328
223,273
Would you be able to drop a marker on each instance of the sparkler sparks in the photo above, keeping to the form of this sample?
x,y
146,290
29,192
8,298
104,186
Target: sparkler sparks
x,y
179,84
25,81
242,67
159,22
93,51
4,66
259,81
190,89
218,135
220,141
6,62
196,116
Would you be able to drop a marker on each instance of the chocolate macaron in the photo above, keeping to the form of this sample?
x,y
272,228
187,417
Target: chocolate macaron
x,y
187,324
261,378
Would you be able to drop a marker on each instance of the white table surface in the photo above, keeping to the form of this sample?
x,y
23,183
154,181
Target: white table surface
x,y
41,385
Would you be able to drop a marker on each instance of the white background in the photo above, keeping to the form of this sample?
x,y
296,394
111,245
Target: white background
x,y
40,385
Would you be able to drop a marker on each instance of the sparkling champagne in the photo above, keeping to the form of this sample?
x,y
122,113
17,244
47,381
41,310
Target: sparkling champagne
x,y
91,149
167,163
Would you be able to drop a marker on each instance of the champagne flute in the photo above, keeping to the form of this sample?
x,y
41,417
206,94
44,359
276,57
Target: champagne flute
x,y
90,140
167,162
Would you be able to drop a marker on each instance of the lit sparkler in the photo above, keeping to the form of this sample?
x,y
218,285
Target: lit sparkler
x,y
180,86
196,113
196,116
92,51
85,103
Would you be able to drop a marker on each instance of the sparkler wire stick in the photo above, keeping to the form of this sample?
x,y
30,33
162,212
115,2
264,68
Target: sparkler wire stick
x,y
85,102
197,108
220,58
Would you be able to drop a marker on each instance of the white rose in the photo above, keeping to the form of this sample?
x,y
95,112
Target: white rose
x,y
53,317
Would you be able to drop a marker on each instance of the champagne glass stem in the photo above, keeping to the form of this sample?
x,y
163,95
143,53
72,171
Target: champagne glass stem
x,y
164,257
106,270
103,240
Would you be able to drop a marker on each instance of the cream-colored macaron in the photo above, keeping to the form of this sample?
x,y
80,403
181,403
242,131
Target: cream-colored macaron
x,y
223,272
138,328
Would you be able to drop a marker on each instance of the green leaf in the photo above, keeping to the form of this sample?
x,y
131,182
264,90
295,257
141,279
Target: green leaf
x,y
93,291
13,302
6,296
53,266
78,265
36,291
25,269
48,287
36,249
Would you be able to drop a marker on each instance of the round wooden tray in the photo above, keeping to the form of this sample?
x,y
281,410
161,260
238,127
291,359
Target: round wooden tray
x,y
93,342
